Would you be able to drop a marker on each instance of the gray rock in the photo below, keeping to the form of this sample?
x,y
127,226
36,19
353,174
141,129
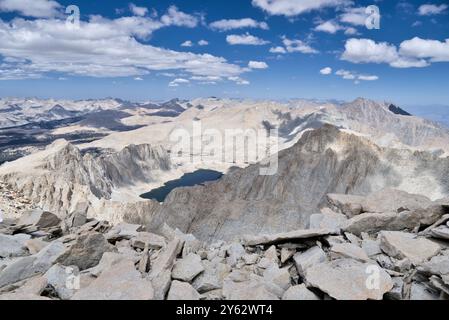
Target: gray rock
x,y
39,218
371,247
153,240
327,220
212,277
286,254
348,250
13,246
106,262
63,280
438,265
272,255
123,231
35,245
251,258
392,200
396,292
393,221
188,268
29,266
166,258
299,292
420,292
349,205
348,279
353,239
308,258
287,236
77,219
235,253
120,282
277,276
87,251
161,285
22,296
182,291
253,289
441,232
402,245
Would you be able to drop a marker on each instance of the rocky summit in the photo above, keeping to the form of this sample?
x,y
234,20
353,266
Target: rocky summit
x,y
399,253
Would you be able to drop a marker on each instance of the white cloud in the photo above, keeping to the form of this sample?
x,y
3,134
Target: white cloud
x,y
187,43
367,50
174,17
203,43
351,31
177,82
138,79
245,39
239,81
350,75
231,24
436,51
31,8
432,9
354,16
414,53
138,11
326,71
329,27
367,78
278,50
100,47
297,46
292,8
257,65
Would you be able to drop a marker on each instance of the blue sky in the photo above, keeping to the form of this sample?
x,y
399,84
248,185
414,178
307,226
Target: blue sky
x,y
150,50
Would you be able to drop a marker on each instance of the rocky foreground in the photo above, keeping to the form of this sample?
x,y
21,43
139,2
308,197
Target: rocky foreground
x,y
389,245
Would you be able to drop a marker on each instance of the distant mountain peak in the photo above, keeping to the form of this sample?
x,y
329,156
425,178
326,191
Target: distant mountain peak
x,y
397,110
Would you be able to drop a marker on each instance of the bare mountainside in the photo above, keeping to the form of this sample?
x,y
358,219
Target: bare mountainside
x,y
323,161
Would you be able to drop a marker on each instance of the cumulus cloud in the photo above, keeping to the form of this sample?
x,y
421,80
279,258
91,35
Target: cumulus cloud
x,y
203,43
434,50
415,52
432,9
257,65
297,45
354,16
350,75
174,17
239,81
332,27
31,8
278,50
290,8
231,24
138,11
177,82
245,39
187,43
328,26
100,47
326,71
